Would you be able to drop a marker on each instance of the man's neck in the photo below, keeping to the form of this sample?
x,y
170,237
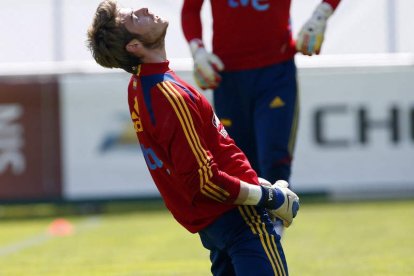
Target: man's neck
x,y
155,56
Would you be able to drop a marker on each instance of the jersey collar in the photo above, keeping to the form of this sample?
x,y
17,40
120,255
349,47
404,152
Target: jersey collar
x,y
152,68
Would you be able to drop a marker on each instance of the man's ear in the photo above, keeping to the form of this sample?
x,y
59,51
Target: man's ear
x,y
134,47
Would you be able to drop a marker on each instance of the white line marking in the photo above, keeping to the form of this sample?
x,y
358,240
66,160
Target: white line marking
x,y
16,247
42,238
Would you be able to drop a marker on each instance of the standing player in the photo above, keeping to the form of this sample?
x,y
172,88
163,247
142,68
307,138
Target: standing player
x,y
205,180
253,72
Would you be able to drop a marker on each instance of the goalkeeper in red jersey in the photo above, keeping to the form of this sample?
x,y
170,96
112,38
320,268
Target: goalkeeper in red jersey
x,y
205,181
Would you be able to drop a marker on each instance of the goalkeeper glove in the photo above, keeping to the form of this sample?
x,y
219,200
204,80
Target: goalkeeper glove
x,y
264,182
310,37
206,65
280,201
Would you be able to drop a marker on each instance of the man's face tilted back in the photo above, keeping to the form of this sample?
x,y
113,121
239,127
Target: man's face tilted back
x,y
150,28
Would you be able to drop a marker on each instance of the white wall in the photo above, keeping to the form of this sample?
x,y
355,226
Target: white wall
x,y
31,30
356,131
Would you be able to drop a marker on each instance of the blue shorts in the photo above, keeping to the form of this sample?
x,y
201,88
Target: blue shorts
x,y
260,108
243,242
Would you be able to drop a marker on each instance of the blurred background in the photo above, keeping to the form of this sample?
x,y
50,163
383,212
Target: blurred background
x,y
65,130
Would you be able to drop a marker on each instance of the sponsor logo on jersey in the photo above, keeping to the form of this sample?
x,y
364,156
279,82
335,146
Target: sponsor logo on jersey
x,y
217,124
258,5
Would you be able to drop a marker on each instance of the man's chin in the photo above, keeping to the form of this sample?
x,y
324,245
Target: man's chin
x,y
162,20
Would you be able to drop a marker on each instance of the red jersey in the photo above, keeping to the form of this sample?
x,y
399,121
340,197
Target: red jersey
x,y
194,163
247,34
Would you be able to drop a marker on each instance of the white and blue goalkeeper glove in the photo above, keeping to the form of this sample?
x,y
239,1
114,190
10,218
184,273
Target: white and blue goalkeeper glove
x,y
280,201
310,37
206,66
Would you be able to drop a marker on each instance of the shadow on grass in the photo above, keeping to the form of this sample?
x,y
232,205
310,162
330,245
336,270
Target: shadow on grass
x,y
27,211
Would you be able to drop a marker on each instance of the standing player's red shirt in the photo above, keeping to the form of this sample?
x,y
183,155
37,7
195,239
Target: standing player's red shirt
x,y
194,163
247,34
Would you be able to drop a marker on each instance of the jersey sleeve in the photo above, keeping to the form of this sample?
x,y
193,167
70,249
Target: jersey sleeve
x,y
191,19
182,135
333,3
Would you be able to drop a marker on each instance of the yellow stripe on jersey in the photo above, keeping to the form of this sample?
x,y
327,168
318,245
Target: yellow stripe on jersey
x,y
189,121
138,70
184,116
252,218
210,173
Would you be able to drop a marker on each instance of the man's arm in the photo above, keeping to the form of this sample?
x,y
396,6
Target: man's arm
x,y
206,65
333,3
191,19
311,35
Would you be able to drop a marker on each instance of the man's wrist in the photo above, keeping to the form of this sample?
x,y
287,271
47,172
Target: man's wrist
x,y
249,194
272,198
195,44
323,10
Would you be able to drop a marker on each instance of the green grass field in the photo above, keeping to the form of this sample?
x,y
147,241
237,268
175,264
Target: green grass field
x,y
372,238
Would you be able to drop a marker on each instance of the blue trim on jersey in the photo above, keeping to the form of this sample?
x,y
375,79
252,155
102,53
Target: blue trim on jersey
x,y
149,82
168,77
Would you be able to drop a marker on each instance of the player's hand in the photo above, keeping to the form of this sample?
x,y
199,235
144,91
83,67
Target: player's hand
x,y
280,201
264,182
310,37
206,66
290,207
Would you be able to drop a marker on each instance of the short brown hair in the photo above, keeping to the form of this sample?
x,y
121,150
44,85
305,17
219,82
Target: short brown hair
x,y
107,38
